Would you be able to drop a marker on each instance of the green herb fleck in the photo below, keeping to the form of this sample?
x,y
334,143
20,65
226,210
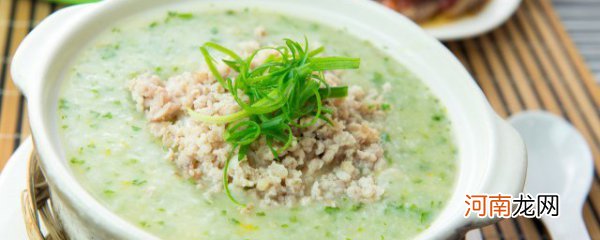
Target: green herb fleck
x,y
184,16
331,210
110,51
413,207
284,225
437,117
132,161
260,214
144,224
377,78
138,182
424,217
386,137
95,114
107,115
234,221
385,106
63,104
357,207
387,157
135,128
108,192
76,161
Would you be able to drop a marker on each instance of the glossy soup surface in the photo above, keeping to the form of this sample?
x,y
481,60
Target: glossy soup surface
x,y
117,160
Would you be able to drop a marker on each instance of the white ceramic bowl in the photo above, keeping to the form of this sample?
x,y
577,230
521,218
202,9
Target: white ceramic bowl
x,y
491,154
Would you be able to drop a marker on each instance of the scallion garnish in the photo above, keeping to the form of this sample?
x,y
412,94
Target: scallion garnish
x,y
285,88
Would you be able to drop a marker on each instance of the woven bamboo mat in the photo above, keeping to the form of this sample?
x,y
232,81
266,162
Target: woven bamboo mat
x,y
582,21
528,63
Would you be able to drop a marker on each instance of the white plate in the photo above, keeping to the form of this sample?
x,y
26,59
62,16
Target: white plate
x,y
12,183
491,16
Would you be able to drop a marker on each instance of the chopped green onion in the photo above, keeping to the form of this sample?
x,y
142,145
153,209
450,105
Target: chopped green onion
x,y
285,88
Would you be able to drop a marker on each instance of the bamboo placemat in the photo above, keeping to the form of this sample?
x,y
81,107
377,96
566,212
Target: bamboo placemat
x,y
582,21
531,63
528,63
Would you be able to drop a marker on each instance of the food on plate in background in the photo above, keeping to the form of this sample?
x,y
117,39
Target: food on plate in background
x,y
426,10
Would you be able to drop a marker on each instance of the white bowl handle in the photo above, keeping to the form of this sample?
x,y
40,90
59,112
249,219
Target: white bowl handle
x,y
26,67
508,171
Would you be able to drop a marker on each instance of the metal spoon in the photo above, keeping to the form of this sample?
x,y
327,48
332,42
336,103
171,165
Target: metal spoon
x,y
559,161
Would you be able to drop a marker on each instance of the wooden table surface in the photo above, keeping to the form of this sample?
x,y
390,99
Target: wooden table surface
x,y
528,63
